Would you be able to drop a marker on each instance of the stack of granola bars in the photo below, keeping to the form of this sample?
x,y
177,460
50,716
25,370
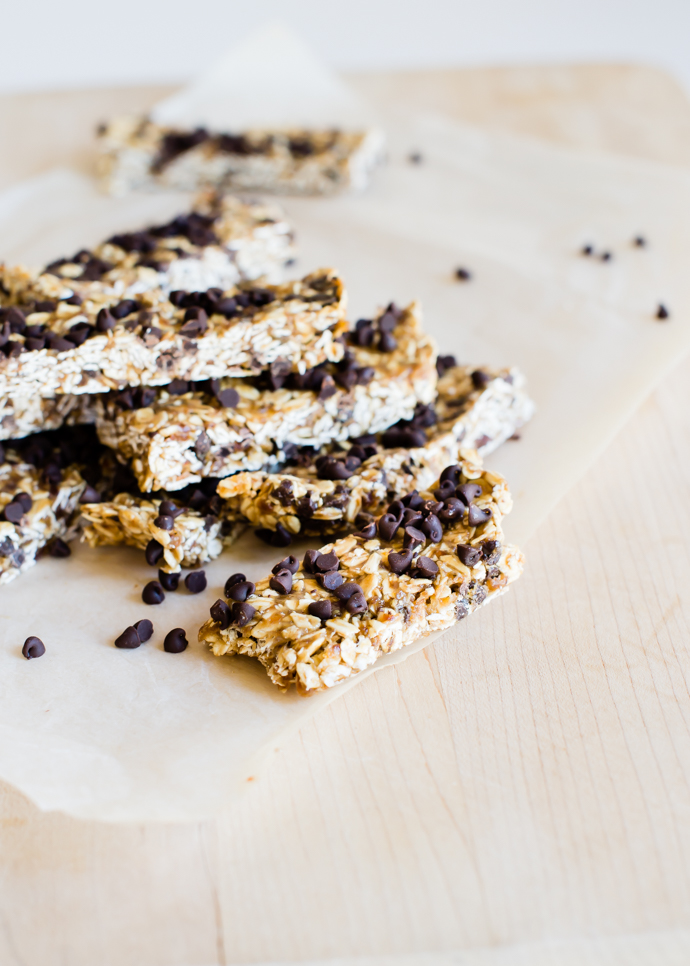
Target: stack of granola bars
x,y
167,390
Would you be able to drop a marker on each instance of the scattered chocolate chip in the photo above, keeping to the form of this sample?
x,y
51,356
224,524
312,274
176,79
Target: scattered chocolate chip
x,y
424,568
275,538
242,613
175,641
232,580
346,590
33,647
168,581
326,562
399,562
662,312
105,321
153,552
281,582
195,582
79,333
468,555
13,512
34,344
490,549
477,516
287,563
606,256
169,509
453,509
144,629
221,614
387,342
410,517
368,532
58,548
444,363
480,380
327,388
178,387
587,250
432,528
228,398
444,491
356,604
463,274
124,308
164,522
415,157
387,526
412,538
639,241
468,492
239,590
331,580
195,324
333,469
45,305
323,609
153,593
58,343
128,639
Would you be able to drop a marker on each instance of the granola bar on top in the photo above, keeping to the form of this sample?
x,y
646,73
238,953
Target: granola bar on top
x,y
137,153
476,409
429,561
179,438
66,348
221,242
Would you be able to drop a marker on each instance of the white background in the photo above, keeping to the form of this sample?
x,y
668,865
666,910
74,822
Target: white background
x,y
82,43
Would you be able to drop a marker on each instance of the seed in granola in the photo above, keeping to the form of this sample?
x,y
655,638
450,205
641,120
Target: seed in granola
x,y
399,562
478,515
662,312
323,609
153,552
287,563
242,613
232,580
128,639
58,548
387,526
153,593
425,568
468,555
105,321
240,590
463,274
480,379
356,604
168,581
175,641
275,538
413,538
468,492
168,509
220,613
195,582
33,647
326,562
387,342
228,398
368,532
144,629
331,581
432,528
164,522
281,582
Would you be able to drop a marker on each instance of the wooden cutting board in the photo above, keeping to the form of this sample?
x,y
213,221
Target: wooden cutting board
x,y
524,799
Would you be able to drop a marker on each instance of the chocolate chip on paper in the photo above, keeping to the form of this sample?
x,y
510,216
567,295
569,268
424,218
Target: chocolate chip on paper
x,y
168,581
175,641
195,582
153,593
33,647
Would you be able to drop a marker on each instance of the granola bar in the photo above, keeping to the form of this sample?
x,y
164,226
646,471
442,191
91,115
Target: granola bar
x,y
137,153
22,415
220,243
80,348
475,410
183,436
430,560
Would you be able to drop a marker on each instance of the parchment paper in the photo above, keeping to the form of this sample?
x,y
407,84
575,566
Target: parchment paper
x,y
144,735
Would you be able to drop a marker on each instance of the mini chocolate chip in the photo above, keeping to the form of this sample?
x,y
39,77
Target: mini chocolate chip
x,y
332,469
25,500
80,332
323,609
232,580
463,274
425,568
279,537
281,582
452,473
202,444
326,562
368,532
220,613
58,343
606,256
410,517
287,563
178,387
477,516
387,342
468,555
480,379
327,389
242,613
356,604
228,398
90,495
196,326
58,548
445,490
468,492
33,647
144,629
415,158
399,562
345,591
105,321
331,580
164,522
128,639
444,363
124,308
432,528
489,548
387,322
396,509
453,509
33,344
168,509
153,593
240,590
662,312
309,562
587,250
175,641
14,511
365,375
168,581
387,526
153,552
431,506
46,305
195,582
413,538
639,241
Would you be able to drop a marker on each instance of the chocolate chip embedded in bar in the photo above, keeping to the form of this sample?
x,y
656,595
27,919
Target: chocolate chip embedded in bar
x,y
137,153
330,494
78,349
220,243
389,590
182,436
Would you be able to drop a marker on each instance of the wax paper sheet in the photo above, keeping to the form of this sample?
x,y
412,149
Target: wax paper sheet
x,y
145,735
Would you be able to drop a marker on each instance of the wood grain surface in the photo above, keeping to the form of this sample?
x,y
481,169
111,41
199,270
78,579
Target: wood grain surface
x,y
519,792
